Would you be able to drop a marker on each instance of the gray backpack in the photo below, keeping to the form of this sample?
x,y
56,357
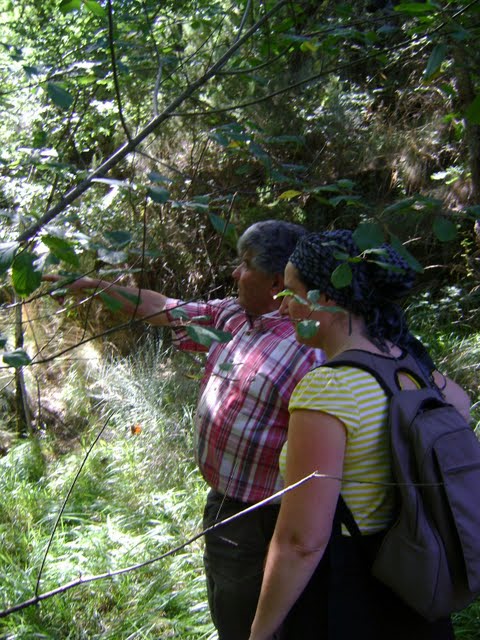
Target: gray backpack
x,y
430,556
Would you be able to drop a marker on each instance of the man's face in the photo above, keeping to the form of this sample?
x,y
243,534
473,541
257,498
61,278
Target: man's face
x,y
255,288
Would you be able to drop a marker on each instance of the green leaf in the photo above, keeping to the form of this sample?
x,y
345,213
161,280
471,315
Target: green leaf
x,y
17,358
25,277
406,255
158,177
444,229
224,228
342,276
134,298
70,5
415,8
95,8
435,61
59,95
111,303
112,257
61,249
313,296
226,366
158,194
7,254
472,112
368,235
3,341
400,205
206,336
118,239
307,328
179,314
288,195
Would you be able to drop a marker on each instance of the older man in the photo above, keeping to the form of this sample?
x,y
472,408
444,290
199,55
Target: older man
x,y
242,412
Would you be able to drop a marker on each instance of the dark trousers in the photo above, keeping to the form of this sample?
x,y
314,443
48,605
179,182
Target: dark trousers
x,y
343,601
234,559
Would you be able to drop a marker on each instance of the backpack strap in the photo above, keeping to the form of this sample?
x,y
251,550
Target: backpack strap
x,y
384,369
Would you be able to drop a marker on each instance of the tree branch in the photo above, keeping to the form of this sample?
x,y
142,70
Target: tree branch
x,y
129,146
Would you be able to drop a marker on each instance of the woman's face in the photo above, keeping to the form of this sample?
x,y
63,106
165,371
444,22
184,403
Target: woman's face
x,y
297,311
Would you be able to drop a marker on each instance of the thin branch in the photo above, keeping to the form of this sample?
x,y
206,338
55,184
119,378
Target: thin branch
x,y
111,46
129,146
62,509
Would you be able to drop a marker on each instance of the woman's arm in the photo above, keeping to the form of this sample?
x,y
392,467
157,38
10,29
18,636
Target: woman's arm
x,y
454,394
144,303
316,442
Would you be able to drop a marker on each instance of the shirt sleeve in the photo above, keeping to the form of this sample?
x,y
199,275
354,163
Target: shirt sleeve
x,y
181,313
323,389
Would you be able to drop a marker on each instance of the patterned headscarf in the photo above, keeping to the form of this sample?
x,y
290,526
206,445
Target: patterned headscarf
x,y
378,279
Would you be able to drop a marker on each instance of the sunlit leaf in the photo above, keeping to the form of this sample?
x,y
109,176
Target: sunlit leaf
x,y
61,249
25,277
70,5
7,254
341,276
59,96
307,328
95,8
444,229
368,235
436,58
17,358
206,336
288,195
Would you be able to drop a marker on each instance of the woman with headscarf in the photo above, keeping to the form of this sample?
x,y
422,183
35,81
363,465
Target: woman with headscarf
x,y
317,581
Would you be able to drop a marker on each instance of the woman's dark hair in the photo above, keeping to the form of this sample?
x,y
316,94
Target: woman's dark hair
x,y
379,279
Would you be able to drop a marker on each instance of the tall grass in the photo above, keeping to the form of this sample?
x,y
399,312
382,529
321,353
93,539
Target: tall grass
x,y
138,496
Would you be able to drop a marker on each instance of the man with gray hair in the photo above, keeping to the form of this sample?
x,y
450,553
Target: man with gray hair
x,y
242,412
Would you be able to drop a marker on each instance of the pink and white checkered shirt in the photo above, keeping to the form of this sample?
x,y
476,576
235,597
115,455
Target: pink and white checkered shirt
x,y
242,412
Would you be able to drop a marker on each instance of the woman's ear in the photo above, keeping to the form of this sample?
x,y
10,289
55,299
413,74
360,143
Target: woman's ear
x,y
278,284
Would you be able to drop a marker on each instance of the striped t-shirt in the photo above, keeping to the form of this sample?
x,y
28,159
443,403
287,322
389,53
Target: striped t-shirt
x,y
354,397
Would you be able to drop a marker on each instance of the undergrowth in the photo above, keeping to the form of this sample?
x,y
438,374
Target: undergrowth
x,y
138,496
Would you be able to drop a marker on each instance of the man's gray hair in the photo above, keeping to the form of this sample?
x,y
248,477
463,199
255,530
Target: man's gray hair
x,y
270,244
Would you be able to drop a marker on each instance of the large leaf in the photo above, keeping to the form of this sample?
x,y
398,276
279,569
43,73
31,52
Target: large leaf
x,y
415,8
406,255
110,302
61,249
307,328
207,336
70,5
25,277
7,254
95,8
118,239
368,235
60,96
472,113
342,276
436,58
224,228
17,358
444,229
158,194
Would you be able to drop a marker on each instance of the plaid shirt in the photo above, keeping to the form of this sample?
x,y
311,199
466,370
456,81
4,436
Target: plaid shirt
x,y
242,412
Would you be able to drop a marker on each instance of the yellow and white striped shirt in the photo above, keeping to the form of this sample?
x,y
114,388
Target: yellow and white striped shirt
x,y
354,397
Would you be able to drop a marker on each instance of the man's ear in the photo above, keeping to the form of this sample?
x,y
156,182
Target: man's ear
x,y
278,283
